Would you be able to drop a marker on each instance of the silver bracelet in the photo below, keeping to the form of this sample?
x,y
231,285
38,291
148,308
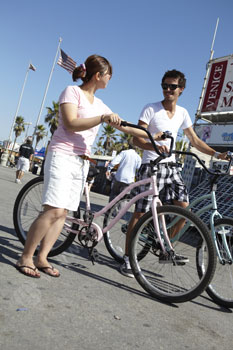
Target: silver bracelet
x,y
102,118
216,154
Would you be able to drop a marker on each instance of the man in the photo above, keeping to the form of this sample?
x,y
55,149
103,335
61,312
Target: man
x,y
26,152
129,162
157,117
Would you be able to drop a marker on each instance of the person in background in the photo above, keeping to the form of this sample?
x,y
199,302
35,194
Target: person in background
x,y
12,160
1,152
128,162
26,152
92,173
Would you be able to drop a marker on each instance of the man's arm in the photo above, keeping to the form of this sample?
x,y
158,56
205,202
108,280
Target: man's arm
x,y
114,162
201,145
20,148
31,155
144,143
140,141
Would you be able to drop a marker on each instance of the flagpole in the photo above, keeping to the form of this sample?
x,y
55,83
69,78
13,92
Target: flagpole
x,y
17,109
203,88
207,73
46,90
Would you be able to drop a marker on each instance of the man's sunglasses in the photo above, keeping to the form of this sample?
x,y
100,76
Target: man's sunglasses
x,y
172,87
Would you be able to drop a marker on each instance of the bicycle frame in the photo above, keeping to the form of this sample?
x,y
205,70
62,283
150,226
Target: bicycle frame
x,y
155,202
214,213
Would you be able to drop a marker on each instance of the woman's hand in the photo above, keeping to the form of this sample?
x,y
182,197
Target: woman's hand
x,y
113,119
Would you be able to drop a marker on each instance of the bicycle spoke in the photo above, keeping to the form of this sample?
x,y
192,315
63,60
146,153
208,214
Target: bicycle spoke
x,y
172,280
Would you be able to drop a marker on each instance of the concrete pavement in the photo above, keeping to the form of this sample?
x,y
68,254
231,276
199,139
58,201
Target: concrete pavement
x,y
93,306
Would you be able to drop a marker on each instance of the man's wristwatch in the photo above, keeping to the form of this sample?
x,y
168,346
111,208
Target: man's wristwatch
x,y
216,154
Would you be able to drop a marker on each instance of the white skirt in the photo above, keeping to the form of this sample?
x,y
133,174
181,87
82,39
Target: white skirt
x,y
64,180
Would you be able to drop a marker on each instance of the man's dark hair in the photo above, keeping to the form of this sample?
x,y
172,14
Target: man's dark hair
x,y
175,74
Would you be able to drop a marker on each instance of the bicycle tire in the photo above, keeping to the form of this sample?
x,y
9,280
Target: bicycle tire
x,y
168,282
27,207
115,238
221,286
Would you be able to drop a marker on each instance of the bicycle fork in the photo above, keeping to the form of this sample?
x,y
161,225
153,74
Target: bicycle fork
x,y
163,238
223,232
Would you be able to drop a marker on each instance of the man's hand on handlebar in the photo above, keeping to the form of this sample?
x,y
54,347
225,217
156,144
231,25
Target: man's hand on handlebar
x,y
224,156
163,149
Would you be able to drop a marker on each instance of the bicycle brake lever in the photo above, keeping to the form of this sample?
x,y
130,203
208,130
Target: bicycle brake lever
x,y
229,155
166,134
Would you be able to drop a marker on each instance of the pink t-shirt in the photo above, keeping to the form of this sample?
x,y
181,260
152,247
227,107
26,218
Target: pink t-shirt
x,y
80,142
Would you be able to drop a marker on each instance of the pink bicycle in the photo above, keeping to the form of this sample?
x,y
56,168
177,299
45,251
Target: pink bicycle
x,y
171,281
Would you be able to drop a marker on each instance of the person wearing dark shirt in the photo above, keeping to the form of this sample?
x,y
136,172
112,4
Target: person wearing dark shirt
x,y
26,152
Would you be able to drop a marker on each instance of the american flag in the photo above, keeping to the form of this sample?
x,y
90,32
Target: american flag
x,y
32,67
66,62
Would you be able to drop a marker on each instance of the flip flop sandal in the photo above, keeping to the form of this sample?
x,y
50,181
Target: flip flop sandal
x,y
46,270
21,267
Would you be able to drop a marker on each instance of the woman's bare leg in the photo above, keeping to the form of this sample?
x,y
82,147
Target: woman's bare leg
x,y
49,240
50,223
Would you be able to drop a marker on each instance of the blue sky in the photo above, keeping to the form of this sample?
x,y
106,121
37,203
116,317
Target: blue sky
x,y
141,38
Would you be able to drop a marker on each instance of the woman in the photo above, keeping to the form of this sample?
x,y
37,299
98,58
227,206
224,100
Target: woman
x,y
66,165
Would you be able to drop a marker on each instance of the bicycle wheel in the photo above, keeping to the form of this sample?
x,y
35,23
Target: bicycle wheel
x,y
221,287
26,209
172,282
115,238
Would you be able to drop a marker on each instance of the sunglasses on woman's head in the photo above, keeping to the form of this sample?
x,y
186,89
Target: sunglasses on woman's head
x,y
172,87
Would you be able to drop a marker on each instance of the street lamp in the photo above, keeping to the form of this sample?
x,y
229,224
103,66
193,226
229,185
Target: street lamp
x,y
28,124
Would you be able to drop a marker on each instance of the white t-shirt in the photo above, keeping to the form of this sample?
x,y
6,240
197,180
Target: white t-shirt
x,y
157,119
77,143
129,161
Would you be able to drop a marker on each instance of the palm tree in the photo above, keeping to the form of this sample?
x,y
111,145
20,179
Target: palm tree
x,y
109,133
52,116
19,127
99,148
40,133
181,145
125,139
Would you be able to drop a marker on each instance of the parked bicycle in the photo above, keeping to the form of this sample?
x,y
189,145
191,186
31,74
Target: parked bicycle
x,y
171,282
221,228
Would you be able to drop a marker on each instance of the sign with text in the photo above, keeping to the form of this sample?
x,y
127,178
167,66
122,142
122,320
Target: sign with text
x,y
218,95
221,166
215,134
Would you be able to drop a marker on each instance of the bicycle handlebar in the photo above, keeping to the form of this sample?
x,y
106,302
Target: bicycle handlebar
x,y
217,172
167,134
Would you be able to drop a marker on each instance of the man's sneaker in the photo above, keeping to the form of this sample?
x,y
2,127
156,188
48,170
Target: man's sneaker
x,y
177,259
125,268
17,181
